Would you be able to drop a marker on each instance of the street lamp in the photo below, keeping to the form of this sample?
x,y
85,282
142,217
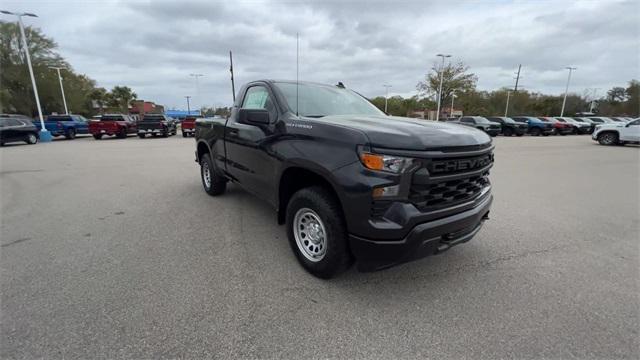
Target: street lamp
x,y
188,107
441,79
64,101
566,90
386,96
453,96
44,134
593,99
506,109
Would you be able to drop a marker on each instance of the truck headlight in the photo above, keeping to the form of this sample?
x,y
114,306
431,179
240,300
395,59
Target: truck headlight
x,y
394,164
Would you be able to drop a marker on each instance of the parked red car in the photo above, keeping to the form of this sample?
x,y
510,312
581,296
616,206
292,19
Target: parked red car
x,y
560,127
189,126
112,124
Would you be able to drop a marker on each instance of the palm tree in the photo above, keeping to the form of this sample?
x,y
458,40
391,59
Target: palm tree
x,y
122,96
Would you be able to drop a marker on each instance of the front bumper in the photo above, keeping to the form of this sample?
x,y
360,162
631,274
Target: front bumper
x,y
493,132
429,238
188,131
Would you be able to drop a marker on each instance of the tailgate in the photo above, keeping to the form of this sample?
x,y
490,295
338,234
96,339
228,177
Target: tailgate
x,y
97,126
149,125
188,124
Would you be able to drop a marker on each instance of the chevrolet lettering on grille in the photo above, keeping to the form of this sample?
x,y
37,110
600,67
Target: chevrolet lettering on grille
x,y
461,164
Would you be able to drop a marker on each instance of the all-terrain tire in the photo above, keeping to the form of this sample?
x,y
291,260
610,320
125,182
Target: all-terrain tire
x,y
214,184
319,206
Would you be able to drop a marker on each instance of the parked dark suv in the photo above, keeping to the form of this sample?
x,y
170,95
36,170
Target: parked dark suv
x,y
17,128
509,126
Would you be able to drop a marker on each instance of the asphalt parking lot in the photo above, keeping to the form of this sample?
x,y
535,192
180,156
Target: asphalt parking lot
x,y
112,249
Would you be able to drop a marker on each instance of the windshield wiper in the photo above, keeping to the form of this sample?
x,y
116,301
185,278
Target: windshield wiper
x,y
314,116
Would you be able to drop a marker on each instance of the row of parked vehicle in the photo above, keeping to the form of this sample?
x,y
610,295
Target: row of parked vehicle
x,y
20,128
537,126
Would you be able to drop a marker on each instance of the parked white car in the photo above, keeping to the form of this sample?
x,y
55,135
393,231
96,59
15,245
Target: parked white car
x,y
617,133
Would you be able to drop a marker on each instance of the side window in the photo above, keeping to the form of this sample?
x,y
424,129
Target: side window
x,y
467,120
634,123
258,97
3,123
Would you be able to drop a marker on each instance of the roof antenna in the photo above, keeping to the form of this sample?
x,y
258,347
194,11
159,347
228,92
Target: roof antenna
x,y
297,68
233,86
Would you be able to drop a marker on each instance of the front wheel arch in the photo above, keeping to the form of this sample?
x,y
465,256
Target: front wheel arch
x,y
296,178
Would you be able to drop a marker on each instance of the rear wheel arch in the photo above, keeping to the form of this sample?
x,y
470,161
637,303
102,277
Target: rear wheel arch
x,y
296,178
202,149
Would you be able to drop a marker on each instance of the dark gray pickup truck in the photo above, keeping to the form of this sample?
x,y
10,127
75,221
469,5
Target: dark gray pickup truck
x,y
350,183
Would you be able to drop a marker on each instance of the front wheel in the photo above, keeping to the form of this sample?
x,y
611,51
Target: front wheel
x,y
71,134
97,136
31,139
535,131
608,138
213,183
507,132
141,136
317,232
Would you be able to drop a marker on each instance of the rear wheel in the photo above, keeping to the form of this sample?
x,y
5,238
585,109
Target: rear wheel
x,y
317,232
165,134
141,136
31,139
122,134
70,134
608,138
184,134
213,183
535,131
97,136
507,132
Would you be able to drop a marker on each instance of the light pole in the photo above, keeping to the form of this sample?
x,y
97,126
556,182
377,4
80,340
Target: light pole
x,y
566,90
64,101
453,97
441,79
44,134
506,109
595,90
386,96
196,76
188,107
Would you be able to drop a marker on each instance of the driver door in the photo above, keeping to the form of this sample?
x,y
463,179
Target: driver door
x,y
631,132
250,159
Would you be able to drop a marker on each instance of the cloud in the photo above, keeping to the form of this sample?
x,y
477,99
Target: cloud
x,y
153,46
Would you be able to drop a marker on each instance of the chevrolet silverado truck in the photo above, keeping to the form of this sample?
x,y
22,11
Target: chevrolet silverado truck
x,y
480,123
188,126
65,125
536,126
349,182
119,125
617,133
509,127
156,124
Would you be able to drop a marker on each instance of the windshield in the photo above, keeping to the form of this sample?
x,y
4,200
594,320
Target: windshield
x,y
322,100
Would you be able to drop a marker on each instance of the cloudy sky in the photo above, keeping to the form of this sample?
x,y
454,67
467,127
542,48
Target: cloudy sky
x,y
153,46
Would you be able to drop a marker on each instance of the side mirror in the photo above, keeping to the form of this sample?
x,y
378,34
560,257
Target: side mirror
x,y
253,116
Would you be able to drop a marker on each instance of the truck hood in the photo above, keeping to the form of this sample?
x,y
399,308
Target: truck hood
x,y
393,132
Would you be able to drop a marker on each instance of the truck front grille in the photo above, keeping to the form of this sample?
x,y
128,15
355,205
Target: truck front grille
x,y
447,193
445,182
